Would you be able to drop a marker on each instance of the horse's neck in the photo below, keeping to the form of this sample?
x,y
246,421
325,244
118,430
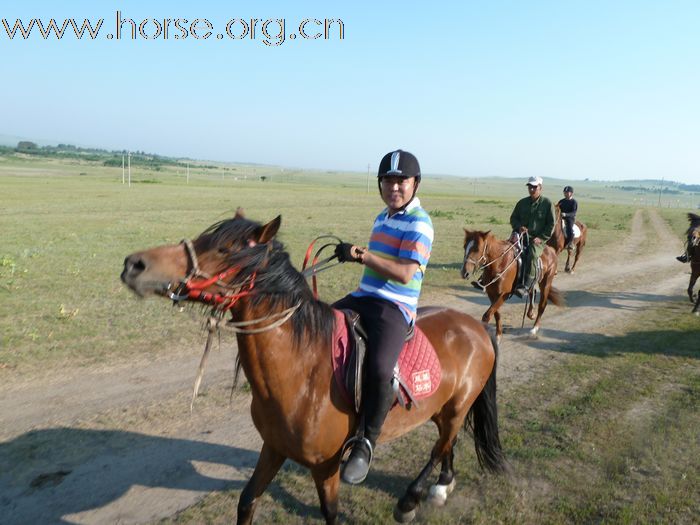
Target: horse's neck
x,y
502,252
274,361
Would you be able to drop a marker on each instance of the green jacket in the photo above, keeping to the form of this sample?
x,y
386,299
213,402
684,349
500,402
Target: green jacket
x,y
537,216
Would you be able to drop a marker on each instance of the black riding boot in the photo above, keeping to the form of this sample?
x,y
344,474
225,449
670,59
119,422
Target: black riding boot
x,y
377,404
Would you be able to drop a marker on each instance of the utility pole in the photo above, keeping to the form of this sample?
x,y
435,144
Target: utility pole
x,y
660,188
129,155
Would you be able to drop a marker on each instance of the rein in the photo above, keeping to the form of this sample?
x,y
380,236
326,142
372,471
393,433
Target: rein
x,y
319,266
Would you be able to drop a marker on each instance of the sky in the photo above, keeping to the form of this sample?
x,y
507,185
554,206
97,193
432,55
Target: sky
x,y
567,89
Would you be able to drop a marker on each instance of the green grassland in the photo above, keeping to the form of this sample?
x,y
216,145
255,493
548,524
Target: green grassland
x,y
68,223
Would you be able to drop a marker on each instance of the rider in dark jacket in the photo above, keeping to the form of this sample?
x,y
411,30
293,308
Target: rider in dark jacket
x,y
568,207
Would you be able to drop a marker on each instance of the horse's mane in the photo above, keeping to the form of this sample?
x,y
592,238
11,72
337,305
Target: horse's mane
x,y
694,222
277,283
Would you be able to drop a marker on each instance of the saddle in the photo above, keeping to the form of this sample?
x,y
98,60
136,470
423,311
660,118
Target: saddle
x,y
577,230
417,373
523,253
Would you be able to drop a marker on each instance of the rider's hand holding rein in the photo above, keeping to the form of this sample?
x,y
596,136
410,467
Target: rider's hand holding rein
x,y
401,270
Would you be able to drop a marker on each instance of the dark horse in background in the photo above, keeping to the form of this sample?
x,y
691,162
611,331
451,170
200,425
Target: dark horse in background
x,y
558,241
284,340
493,263
694,256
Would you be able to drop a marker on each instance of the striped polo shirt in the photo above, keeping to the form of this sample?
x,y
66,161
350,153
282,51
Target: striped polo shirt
x,y
407,234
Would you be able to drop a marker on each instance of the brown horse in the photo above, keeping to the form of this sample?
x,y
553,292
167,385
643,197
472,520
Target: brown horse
x,y
493,263
558,241
284,349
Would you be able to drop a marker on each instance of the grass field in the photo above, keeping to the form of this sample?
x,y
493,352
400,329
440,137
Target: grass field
x,y
68,224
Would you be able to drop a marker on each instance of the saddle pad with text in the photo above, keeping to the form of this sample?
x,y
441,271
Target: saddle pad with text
x,y
419,367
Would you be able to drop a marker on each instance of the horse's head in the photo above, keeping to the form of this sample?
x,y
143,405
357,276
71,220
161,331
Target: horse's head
x,y
695,236
206,269
475,245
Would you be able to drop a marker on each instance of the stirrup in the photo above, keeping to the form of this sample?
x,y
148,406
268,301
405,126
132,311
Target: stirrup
x,y
357,439
682,258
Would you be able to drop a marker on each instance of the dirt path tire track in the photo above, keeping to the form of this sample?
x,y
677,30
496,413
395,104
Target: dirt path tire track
x,y
119,445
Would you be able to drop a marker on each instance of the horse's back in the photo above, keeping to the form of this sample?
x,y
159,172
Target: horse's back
x,y
455,335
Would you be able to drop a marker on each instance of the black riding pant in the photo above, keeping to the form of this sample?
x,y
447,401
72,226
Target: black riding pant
x,y
386,330
569,228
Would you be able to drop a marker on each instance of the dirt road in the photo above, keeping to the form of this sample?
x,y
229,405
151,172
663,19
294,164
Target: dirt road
x,y
118,444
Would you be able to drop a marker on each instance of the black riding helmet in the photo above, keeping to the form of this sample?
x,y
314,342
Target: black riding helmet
x,y
399,163
568,188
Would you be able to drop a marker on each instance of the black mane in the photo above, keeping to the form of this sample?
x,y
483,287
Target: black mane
x,y
277,283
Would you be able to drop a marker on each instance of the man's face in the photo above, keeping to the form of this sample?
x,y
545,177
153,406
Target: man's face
x,y
534,191
397,191
568,194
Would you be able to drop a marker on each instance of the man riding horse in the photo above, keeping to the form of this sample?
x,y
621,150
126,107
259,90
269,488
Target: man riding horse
x,y
535,216
395,261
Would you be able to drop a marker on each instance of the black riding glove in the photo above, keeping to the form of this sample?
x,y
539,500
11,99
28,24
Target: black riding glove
x,y
344,252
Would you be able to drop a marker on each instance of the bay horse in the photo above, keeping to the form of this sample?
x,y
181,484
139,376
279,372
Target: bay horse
x,y
492,261
558,241
284,335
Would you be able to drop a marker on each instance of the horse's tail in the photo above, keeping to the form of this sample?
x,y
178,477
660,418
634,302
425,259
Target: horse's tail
x,y
482,421
556,297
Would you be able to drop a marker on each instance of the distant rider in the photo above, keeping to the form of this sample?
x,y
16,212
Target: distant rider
x,y
568,207
534,215
690,247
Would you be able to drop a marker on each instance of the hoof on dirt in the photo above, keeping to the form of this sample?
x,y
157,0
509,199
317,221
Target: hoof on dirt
x,y
437,495
534,330
404,517
531,315
571,272
498,338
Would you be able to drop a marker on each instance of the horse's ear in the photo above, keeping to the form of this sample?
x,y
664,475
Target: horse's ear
x,y
487,233
267,232
239,213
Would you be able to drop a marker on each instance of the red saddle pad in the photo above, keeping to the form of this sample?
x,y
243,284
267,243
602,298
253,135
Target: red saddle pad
x,y
419,366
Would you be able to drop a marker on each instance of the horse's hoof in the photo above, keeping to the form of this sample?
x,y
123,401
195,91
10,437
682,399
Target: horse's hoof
x,y
404,517
437,495
571,272
531,315
498,339
534,330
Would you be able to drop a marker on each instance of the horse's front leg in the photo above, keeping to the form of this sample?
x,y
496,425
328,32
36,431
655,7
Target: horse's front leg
x,y
497,300
267,467
567,267
327,480
579,246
